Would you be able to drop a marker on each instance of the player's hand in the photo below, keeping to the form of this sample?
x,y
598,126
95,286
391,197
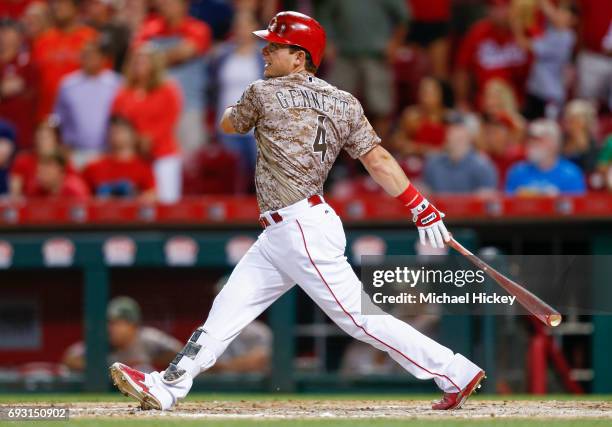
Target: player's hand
x,y
428,221
425,216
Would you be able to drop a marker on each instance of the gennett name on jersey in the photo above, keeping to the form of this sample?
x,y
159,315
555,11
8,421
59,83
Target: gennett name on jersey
x,y
298,98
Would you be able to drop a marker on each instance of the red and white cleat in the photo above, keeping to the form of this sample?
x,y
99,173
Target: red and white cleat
x,y
131,383
456,400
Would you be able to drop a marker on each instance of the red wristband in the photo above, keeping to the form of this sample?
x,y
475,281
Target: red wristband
x,y
410,197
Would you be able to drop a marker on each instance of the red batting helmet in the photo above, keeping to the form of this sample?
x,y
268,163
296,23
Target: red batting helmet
x,y
297,29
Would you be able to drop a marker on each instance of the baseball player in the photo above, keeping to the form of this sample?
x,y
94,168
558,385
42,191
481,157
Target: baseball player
x,y
301,123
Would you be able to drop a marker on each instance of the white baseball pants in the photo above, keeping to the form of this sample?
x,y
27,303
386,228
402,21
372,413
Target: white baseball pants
x,y
307,248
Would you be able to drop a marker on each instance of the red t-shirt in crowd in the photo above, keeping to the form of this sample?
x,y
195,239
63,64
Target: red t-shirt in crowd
x,y
110,171
13,8
430,133
55,54
489,52
73,187
212,170
192,29
154,114
430,10
25,165
18,108
595,23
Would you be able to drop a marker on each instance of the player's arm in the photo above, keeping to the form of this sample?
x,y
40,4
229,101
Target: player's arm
x,y
226,122
244,115
385,170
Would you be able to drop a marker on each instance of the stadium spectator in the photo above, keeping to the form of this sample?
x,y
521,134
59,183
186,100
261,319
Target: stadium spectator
x,y
36,20
544,172
460,168
7,148
580,145
552,52
183,40
429,29
56,52
503,127
17,82
490,51
122,172
217,14
52,179
143,347
421,128
100,14
213,170
363,37
604,166
234,65
132,14
83,123
499,100
13,9
23,172
153,104
500,141
593,62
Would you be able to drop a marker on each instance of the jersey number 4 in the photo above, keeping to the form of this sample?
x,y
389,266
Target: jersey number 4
x,y
320,145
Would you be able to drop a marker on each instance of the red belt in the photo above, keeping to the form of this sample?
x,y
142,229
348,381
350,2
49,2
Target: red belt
x,y
276,217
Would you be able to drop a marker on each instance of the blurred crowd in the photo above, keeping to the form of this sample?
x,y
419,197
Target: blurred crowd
x,y
121,98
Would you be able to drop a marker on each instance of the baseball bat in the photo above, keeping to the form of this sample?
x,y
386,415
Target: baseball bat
x,y
542,311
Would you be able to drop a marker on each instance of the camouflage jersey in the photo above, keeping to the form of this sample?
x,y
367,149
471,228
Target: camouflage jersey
x,y
301,123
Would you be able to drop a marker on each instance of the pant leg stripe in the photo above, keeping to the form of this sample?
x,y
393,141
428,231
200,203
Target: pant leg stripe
x,y
361,327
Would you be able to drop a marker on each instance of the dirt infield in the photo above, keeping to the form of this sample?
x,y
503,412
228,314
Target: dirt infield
x,y
351,409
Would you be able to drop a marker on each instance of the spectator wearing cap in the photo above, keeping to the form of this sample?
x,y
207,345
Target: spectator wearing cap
x,y
153,105
7,148
100,14
545,172
183,41
363,38
142,347
121,172
595,57
17,82
460,168
490,50
552,51
53,180
57,51
83,123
